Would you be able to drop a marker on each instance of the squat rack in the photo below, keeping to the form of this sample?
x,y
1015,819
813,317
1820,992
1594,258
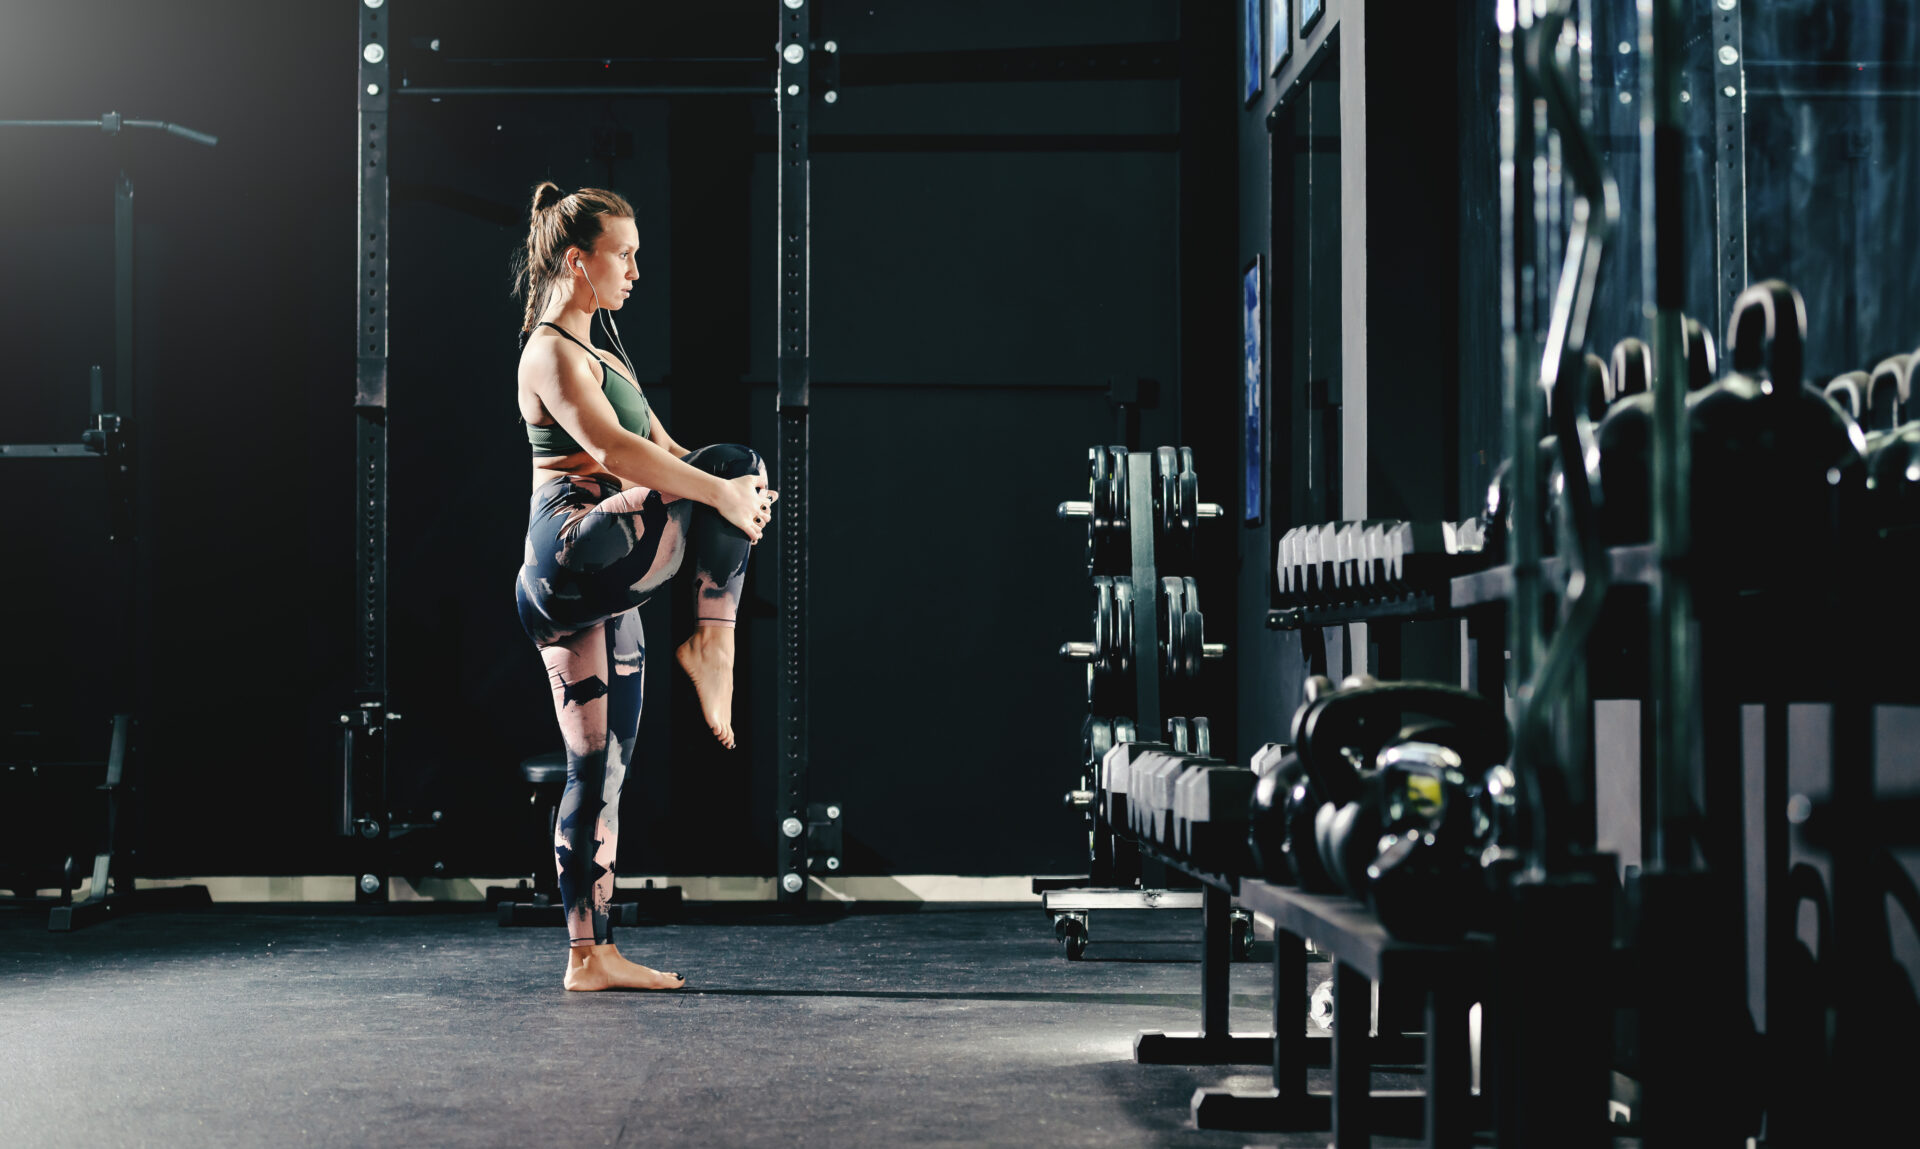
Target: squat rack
x,y
111,437
807,834
363,813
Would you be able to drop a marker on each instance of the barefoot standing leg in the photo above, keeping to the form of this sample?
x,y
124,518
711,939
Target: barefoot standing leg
x,y
602,967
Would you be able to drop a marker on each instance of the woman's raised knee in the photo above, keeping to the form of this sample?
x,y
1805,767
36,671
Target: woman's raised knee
x,y
727,460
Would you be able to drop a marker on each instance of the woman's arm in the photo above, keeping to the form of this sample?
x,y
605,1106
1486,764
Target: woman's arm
x,y
566,386
658,434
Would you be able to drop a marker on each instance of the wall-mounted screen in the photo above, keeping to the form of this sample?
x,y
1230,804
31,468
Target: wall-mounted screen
x,y
1250,70
1279,34
1251,405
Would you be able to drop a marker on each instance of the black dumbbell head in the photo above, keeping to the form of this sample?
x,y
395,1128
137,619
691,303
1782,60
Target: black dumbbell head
x,y
1767,333
1632,370
1596,386
1703,361
1848,393
1886,398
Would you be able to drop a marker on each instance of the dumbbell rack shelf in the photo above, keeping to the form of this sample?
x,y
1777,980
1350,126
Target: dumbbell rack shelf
x,y
1144,508
1451,978
1638,564
1223,932
1223,940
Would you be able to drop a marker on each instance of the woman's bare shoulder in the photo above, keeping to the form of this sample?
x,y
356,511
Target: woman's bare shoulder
x,y
549,360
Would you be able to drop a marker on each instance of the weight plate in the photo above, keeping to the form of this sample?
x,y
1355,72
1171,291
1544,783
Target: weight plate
x,y
1195,629
1120,622
1166,494
1189,490
1102,620
1096,738
1173,625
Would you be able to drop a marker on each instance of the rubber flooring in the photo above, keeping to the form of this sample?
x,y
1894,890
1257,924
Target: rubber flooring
x,y
960,1026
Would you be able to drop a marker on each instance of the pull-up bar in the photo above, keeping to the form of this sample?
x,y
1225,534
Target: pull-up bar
x,y
112,124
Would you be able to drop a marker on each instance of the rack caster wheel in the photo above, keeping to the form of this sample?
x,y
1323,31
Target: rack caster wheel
x,y
1242,933
1320,1007
1071,929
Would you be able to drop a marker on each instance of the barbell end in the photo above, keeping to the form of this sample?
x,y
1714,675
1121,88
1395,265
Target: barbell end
x,y
1213,650
1075,509
1079,651
1210,511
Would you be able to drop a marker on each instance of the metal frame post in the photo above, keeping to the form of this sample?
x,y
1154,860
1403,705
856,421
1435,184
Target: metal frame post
x,y
792,99
122,399
1730,152
364,758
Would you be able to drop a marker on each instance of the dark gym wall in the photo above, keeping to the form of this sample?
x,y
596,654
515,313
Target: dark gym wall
x,y
988,257
244,401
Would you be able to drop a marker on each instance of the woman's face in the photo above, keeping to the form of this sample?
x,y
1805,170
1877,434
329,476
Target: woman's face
x,y
612,267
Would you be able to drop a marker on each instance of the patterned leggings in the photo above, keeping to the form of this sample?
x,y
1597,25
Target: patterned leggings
x,y
595,552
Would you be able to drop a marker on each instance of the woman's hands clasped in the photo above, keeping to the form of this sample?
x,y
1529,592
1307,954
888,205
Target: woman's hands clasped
x,y
748,504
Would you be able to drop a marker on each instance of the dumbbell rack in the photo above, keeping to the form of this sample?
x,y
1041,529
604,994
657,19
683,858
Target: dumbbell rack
x,y
1143,508
1447,977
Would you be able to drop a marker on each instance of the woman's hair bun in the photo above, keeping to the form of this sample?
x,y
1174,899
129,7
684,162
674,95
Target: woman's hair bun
x,y
546,195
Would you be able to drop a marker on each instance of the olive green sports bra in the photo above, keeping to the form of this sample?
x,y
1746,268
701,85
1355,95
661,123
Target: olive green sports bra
x,y
629,404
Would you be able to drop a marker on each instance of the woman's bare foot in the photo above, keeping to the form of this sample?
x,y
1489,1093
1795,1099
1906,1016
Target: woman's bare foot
x,y
602,967
707,658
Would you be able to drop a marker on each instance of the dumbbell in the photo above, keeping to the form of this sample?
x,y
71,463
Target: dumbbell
x,y
1849,393
1183,646
1596,386
1150,792
1116,780
1771,457
1885,408
1306,559
1210,806
1410,555
1893,461
1496,513
1631,371
1627,435
1105,510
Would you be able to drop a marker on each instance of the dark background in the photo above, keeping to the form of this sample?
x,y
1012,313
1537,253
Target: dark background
x,y
988,258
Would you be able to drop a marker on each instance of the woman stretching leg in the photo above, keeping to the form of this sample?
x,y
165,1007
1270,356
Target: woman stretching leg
x,y
616,506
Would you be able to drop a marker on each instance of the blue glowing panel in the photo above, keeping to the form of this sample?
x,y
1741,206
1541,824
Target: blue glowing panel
x,y
1280,33
1250,65
1310,11
1251,385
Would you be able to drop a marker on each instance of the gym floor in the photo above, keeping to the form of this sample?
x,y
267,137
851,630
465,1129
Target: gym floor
x,y
939,1026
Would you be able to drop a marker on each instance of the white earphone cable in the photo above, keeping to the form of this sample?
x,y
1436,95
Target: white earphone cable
x,y
613,333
